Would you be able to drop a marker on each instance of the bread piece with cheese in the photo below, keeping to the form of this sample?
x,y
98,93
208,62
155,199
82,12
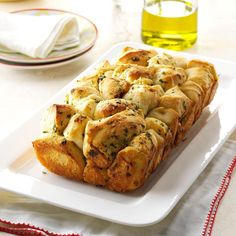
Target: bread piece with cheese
x,y
110,107
60,156
56,118
214,76
146,97
170,118
76,128
104,138
135,162
174,98
95,175
135,56
111,87
163,58
168,77
194,92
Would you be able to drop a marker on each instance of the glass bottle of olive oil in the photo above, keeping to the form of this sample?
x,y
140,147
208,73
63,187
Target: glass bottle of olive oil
x,y
170,24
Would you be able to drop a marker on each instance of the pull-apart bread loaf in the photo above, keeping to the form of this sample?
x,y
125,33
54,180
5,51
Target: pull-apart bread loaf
x,y
119,123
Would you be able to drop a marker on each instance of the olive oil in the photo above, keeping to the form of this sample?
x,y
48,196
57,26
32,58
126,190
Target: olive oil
x,y
169,24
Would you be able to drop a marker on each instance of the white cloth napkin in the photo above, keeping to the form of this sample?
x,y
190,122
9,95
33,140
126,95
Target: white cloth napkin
x,y
37,36
225,216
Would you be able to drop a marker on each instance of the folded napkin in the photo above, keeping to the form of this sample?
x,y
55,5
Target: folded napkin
x,y
37,36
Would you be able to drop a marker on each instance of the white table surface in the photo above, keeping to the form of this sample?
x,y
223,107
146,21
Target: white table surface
x,y
22,91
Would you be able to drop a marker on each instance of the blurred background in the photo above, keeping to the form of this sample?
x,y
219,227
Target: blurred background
x,y
117,21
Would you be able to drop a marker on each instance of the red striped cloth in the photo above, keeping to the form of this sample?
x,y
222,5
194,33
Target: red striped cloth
x,y
210,219
27,230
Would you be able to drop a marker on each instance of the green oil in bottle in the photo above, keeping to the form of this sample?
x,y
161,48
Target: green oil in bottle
x,y
170,24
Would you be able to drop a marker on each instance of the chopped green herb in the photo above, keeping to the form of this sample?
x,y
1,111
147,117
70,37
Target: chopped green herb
x,y
101,77
135,59
92,153
163,81
113,154
64,142
113,145
54,128
128,174
126,131
148,135
67,99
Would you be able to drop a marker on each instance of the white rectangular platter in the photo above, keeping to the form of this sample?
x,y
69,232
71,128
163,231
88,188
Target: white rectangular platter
x,y
21,173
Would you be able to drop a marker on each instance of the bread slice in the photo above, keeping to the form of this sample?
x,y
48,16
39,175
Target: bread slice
x,y
60,156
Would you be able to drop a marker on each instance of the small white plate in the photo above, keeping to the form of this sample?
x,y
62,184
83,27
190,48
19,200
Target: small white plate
x,y
37,66
20,172
88,35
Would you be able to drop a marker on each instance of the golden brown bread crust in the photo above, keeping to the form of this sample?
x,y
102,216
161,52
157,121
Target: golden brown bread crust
x,y
145,96
196,94
95,175
162,58
60,156
169,117
112,106
169,77
213,75
162,130
113,88
124,119
136,56
134,163
105,138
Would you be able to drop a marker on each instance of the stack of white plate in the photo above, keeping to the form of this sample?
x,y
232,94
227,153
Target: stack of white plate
x,y
88,36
